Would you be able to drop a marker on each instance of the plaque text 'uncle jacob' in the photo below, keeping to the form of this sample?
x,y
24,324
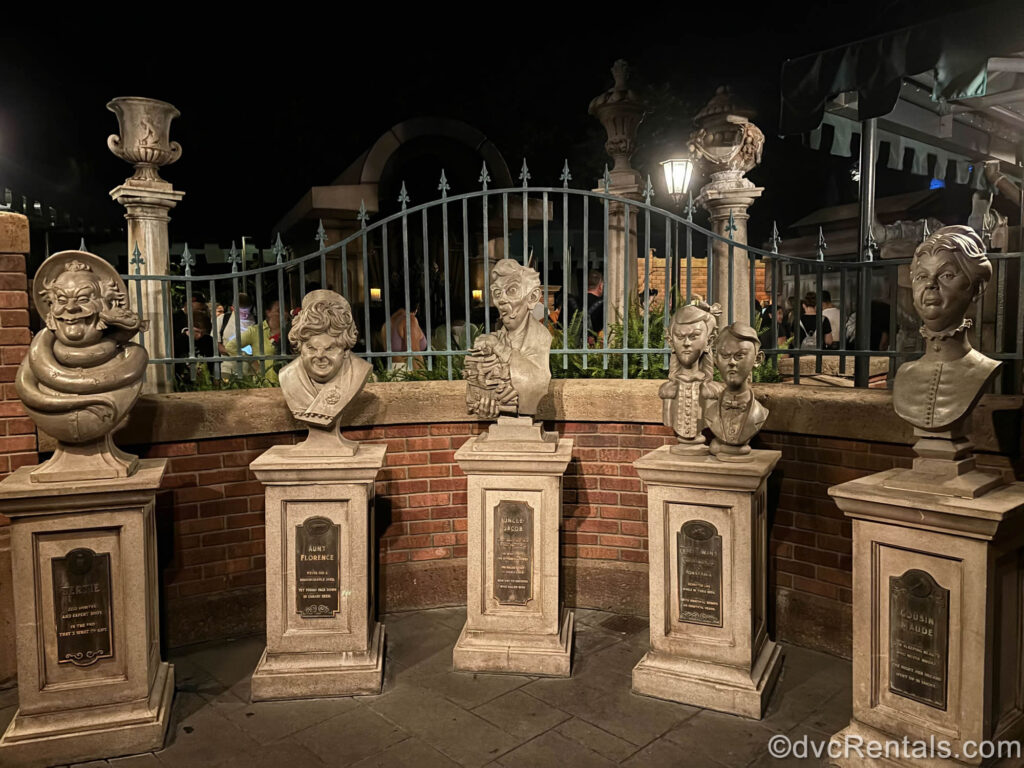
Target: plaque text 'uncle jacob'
x,y
513,552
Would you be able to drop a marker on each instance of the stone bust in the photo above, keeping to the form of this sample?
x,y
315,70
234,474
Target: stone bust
x,y
323,379
691,336
508,371
731,410
948,273
82,375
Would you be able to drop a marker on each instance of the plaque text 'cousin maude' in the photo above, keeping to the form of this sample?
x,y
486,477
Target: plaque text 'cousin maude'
x,y
317,568
513,552
918,637
699,552
82,604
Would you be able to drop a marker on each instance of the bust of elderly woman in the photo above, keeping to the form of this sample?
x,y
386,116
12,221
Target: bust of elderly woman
x,y
948,273
324,378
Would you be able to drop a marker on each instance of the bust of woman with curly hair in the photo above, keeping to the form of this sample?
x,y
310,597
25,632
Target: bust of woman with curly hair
x,y
690,337
324,378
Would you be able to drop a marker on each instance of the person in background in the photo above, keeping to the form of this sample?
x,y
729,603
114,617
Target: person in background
x,y
249,343
202,342
831,312
233,323
595,303
398,336
809,324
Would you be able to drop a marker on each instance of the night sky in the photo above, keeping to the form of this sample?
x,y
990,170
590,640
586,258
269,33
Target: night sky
x,y
269,112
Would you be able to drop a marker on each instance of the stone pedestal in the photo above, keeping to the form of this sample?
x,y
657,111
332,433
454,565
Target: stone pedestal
x,y
323,637
90,681
938,617
514,620
708,571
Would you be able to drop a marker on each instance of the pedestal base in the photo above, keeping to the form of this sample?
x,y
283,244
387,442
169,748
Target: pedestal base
x,y
320,675
518,654
852,744
708,685
91,733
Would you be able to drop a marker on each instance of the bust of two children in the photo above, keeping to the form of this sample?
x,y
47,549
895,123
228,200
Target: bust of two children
x,y
692,400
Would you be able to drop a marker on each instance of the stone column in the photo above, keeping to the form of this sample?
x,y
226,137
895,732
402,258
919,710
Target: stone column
x,y
708,574
937,621
620,111
515,620
728,146
91,684
323,637
144,141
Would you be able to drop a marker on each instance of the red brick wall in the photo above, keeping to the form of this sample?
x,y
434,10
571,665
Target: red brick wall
x,y
218,533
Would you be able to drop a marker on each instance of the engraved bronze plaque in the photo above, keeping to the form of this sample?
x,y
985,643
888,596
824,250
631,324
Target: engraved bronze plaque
x,y
317,568
513,552
82,605
699,554
918,638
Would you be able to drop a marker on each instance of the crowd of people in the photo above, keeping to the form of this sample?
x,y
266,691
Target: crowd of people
x,y
799,329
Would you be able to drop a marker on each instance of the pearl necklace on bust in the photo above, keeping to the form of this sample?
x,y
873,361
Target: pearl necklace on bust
x,y
936,337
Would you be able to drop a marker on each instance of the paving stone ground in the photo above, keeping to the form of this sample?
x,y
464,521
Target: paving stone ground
x,y
430,716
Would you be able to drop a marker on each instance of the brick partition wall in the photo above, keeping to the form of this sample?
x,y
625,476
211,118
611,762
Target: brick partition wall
x,y
214,553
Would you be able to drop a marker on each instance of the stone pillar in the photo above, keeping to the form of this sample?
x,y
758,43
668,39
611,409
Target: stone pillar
x,y
708,574
938,617
90,681
515,621
145,126
620,111
728,146
729,194
19,442
323,637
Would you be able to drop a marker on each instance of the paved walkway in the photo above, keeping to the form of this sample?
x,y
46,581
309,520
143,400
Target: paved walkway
x,y
430,716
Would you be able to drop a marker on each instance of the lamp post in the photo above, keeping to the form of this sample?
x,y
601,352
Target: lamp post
x,y
678,173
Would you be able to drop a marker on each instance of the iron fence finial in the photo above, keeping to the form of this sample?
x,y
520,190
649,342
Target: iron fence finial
x,y
187,260
731,226
566,177
362,216
689,206
484,176
648,190
234,257
822,245
775,239
81,246
403,197
607,179
321,234
277,249
524,174
443,185
137,259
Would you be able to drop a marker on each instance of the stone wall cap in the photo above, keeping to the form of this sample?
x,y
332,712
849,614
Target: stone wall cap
x,y
282,465
13,233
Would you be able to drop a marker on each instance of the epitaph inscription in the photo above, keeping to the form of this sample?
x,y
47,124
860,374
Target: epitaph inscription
x,y
918,638
513,552
82,604
699,553
317,568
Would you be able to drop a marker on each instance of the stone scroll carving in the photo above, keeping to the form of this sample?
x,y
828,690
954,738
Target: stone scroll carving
x,y
508,371
324,378
82,374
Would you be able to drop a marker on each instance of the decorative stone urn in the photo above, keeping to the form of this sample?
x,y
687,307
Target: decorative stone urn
x,y
145,126
724,137
620,111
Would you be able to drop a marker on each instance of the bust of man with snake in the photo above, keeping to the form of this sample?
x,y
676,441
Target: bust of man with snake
x,y
82,375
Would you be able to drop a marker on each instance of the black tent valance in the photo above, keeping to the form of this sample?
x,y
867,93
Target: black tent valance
x,y
955,48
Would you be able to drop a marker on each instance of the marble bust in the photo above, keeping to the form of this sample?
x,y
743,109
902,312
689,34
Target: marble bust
x,y
508,371
323,379
948,273
731,411
691,336
82,374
